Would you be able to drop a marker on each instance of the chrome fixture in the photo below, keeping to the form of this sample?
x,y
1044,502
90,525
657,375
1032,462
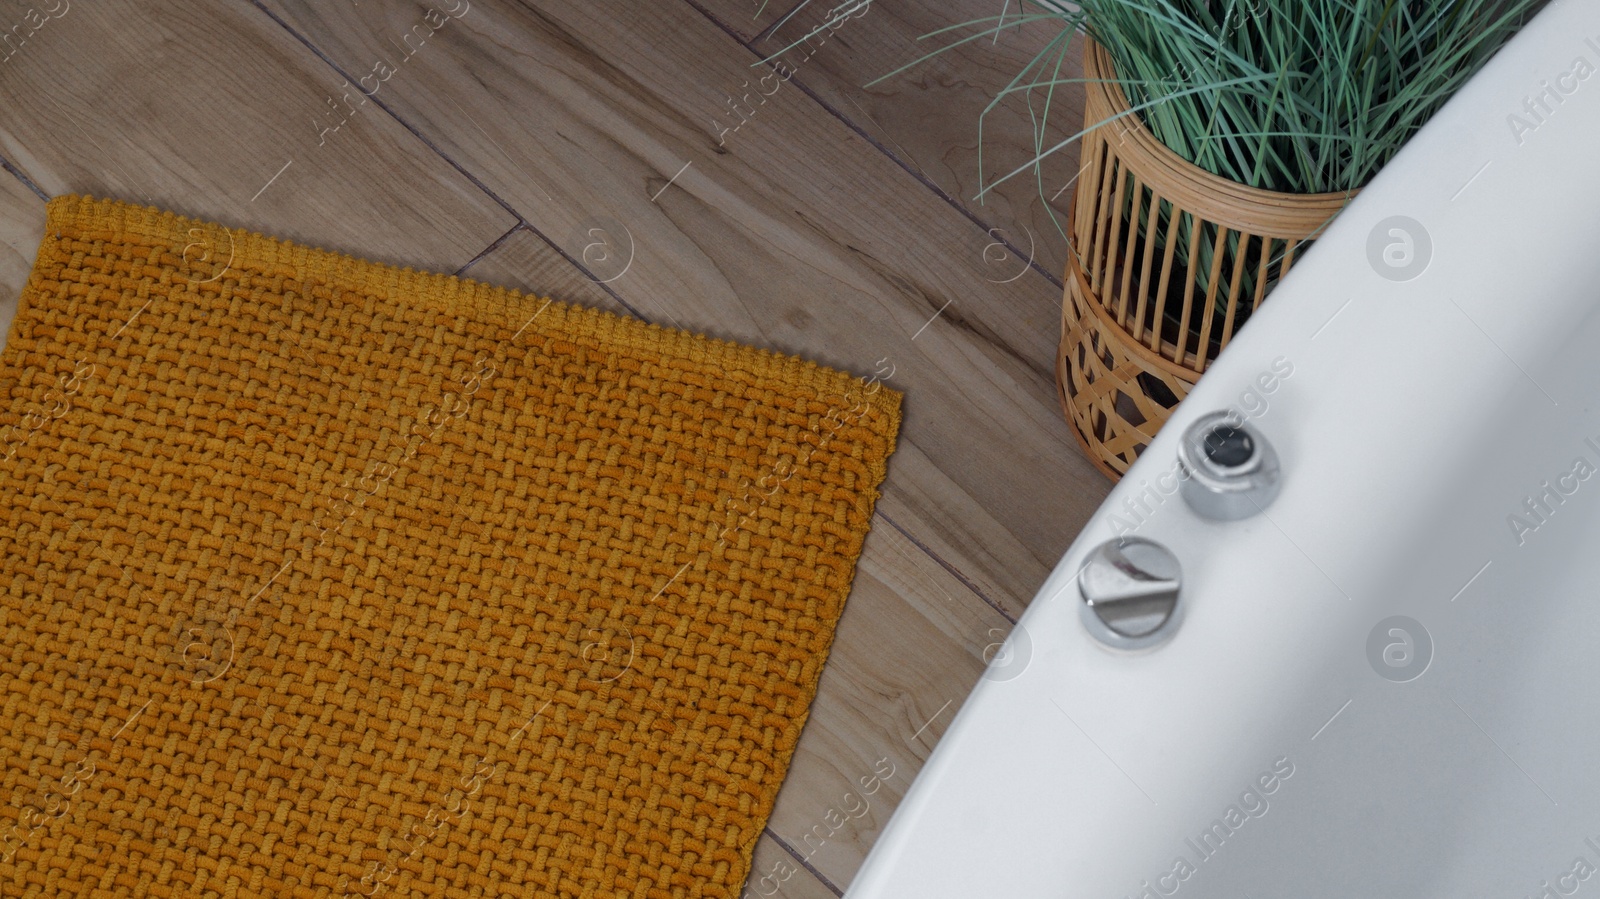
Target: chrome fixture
x,y
1227,469
1130,589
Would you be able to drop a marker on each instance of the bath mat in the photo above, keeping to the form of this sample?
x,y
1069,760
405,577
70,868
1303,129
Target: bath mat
x,y
327,578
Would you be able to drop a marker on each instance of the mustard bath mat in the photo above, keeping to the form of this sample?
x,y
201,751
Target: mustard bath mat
x,y
326,578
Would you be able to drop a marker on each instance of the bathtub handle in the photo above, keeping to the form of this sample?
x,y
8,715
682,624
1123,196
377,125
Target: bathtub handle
x,y
1131,589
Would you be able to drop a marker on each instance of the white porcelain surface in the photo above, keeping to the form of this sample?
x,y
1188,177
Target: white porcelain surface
x,y
1418,417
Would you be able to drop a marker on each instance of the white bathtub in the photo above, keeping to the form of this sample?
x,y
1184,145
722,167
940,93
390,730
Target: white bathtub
x,y
1439,438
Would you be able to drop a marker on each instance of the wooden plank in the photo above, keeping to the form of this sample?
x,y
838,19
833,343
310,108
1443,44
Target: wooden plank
x,y
214,111
909,649
928,116
21,230
774,872
793,234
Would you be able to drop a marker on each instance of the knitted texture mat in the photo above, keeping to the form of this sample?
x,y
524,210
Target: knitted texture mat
x,y
327,578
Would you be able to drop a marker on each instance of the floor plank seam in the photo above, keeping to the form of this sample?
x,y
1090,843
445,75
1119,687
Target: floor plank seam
x,y
521,220
28,182
954,572
493,245
804,863
905,165
589,274
777,23
317,51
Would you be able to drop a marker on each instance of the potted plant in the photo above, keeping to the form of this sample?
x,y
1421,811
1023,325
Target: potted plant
x,y
1220,137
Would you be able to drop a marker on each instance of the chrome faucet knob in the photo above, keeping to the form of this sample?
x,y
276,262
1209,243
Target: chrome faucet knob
x,y
1130,589
1228,470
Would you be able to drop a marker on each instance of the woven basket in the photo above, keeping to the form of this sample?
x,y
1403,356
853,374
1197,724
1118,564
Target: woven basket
x,y
1167,263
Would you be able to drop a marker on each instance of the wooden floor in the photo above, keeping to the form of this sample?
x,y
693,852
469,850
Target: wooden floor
x,y
641,158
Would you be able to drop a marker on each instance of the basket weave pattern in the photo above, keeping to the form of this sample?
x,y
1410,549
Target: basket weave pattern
x,y
1167,262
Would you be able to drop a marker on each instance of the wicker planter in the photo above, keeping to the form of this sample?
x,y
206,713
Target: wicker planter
x,y
1168,262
